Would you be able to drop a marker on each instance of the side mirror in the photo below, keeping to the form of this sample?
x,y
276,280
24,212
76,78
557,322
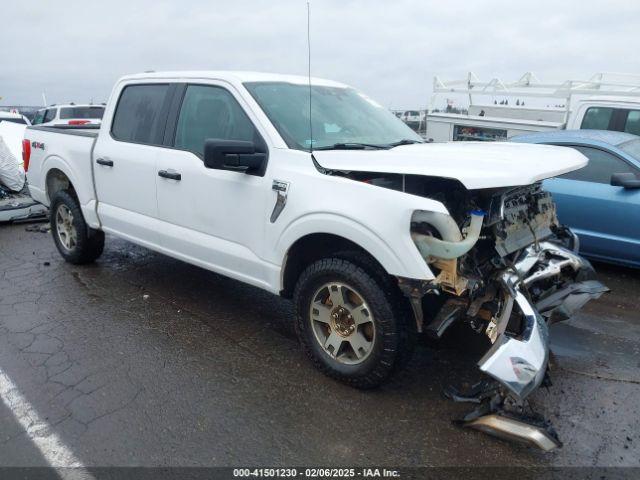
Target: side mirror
x,y
234,155
625,180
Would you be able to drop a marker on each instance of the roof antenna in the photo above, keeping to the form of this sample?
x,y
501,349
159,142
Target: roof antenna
x,y
309,73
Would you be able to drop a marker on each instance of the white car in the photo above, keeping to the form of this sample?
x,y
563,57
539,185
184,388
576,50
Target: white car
x,y
14,117
15,202
69,114
374,234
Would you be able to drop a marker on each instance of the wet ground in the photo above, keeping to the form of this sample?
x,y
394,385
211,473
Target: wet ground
x,y
144,360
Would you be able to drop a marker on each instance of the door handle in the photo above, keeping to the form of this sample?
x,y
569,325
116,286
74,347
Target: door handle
x,y
170,175
105,162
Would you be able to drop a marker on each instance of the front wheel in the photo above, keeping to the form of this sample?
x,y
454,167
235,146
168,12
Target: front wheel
x,y
76,242
352,327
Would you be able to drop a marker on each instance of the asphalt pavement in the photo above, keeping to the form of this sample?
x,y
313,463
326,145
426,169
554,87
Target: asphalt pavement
x,y
142,360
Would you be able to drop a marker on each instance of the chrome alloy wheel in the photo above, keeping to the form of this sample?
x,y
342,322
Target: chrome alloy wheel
x,y
342,323
67,233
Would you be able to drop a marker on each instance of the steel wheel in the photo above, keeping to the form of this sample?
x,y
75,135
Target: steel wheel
x,y
67,233
342,323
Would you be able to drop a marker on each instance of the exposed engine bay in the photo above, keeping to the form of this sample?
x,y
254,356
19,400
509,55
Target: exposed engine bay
x,y
506,267
520,274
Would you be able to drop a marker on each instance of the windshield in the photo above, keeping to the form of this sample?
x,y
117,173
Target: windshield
x,y
341,116
632,147
81,112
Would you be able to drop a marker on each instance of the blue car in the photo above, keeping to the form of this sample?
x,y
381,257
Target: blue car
x,y
600,202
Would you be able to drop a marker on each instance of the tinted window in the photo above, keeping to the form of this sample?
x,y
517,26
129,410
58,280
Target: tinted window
x,y
210,112
597,118
49,115
632,125
39,118
137,118
600,168
81,112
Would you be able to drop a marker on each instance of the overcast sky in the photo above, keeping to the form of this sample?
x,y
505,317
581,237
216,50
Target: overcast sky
x,y
74,50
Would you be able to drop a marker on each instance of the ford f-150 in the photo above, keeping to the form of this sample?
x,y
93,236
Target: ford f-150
x,y
309,189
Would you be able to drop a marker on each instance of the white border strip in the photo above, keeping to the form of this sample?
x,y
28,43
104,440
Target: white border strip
x,y
55,452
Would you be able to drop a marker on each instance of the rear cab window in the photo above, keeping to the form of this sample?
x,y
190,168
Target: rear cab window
x,y
39,118
632,122
616,119
138,116
50,115
597,118
81,112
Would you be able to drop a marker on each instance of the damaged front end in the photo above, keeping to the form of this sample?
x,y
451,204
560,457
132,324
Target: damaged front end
x,y
509,270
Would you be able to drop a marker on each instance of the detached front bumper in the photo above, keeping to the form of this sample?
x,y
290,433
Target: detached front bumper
x,y
519,363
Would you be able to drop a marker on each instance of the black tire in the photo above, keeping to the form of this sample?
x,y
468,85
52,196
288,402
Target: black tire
x,y
394,326
89,243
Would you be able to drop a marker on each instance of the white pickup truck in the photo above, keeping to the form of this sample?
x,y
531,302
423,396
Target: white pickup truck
x,y
311,190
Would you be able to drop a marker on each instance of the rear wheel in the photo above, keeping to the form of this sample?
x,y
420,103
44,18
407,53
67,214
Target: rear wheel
x,y
352,327
76,242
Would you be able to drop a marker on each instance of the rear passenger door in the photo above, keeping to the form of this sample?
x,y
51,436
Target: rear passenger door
x,y
124,162
215,218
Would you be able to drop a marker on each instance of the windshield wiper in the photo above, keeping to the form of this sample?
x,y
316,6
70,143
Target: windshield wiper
x,y
350,146
404,141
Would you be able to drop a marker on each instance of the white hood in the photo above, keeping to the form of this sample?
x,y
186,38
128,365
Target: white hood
x,y
475,164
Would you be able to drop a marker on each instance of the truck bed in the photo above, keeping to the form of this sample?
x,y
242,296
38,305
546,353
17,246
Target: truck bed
x,y
65,148
80,130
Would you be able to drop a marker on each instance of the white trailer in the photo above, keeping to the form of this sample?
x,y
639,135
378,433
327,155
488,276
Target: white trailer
x,y
606,102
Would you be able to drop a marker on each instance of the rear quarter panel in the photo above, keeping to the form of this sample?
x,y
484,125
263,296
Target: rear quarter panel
x,y
68,153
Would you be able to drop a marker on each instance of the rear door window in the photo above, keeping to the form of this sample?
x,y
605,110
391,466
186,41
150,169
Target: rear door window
x,y
210,112
138,116
600,168
597,118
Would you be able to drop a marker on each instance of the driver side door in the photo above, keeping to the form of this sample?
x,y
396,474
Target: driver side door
x,y
213,218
